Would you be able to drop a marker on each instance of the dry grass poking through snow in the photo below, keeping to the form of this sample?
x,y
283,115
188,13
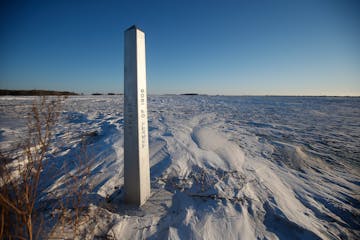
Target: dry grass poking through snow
x,y
20,176
21,172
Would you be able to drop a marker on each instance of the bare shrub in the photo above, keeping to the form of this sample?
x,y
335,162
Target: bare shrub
x,y
20,176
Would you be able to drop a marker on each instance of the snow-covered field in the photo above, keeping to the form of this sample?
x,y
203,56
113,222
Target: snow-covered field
x,y
221,167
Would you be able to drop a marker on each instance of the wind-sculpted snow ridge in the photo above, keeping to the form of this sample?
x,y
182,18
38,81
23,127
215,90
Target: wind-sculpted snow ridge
x,y
221,167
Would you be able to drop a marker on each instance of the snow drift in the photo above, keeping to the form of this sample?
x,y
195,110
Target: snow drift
x,y
221,167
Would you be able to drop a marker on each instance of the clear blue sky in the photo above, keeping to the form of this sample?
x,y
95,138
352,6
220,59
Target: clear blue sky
x,y
216,47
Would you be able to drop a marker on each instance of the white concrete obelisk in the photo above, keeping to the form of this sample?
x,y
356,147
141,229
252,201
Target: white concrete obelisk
x,y
136,144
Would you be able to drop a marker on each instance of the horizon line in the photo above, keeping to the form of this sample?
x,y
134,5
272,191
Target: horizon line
x,y
184,93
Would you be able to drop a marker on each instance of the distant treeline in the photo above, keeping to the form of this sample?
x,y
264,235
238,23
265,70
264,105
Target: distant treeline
x,y
4,92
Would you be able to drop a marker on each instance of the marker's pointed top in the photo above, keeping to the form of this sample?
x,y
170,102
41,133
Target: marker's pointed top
x,y
133,27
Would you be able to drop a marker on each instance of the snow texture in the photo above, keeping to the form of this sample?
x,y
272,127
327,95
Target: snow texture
x,y
221,167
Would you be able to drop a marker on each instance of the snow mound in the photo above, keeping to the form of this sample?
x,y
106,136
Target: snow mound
x,y
229,155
